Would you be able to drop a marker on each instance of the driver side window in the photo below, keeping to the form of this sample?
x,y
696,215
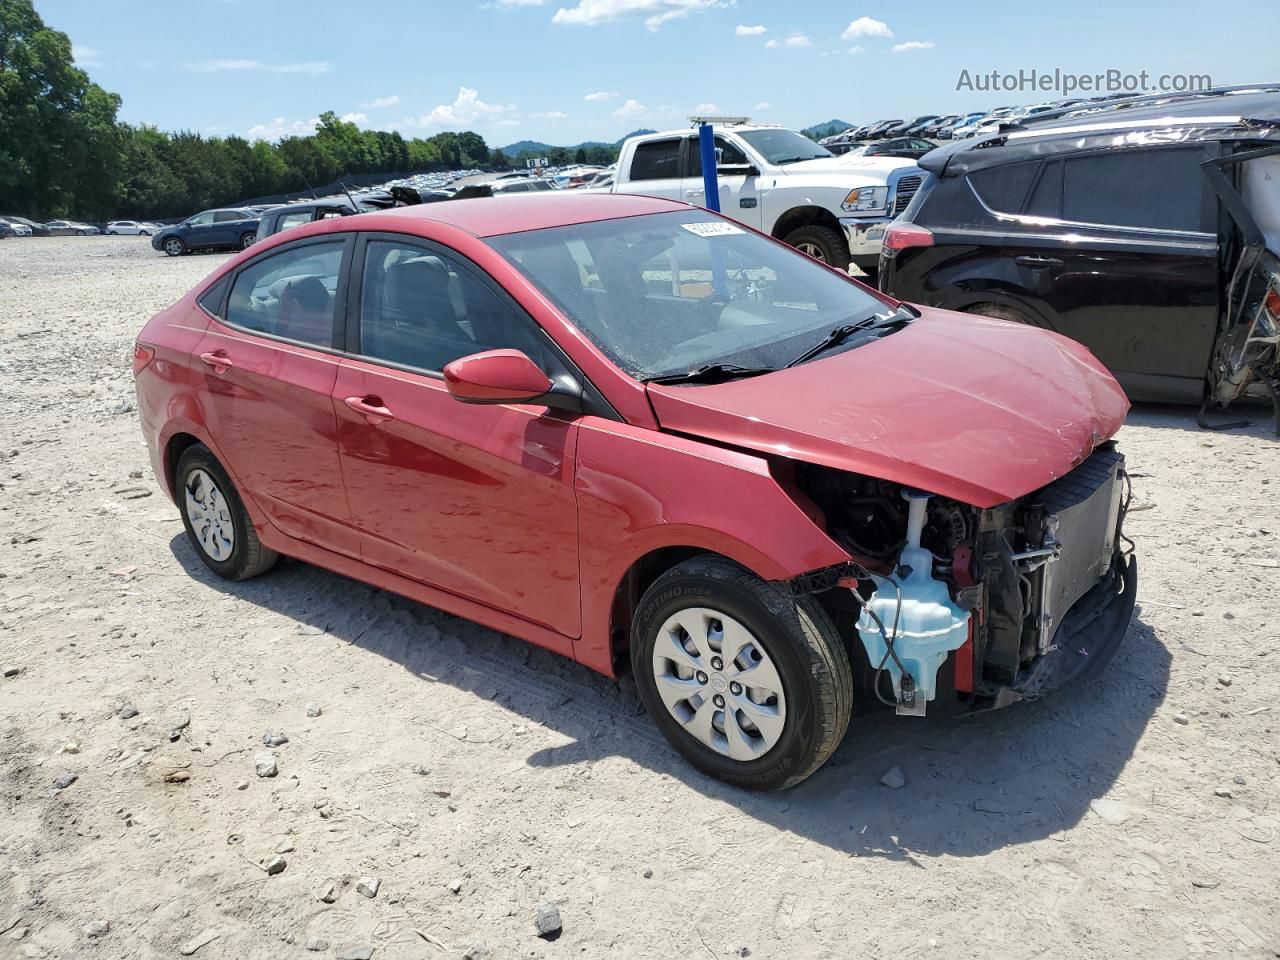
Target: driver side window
x,y
200,219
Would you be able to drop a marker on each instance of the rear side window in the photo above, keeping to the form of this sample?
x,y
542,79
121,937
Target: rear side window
x,y
293,220
211,300
226,216
1004,188
655,160
291,294
1046,195
1160,189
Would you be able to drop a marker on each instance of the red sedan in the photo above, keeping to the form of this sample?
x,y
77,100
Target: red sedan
x,y
649,438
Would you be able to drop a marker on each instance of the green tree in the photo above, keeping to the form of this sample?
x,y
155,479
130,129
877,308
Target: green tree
x,y
580,156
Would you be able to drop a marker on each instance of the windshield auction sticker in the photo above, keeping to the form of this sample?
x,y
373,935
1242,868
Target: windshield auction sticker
x,y
715,228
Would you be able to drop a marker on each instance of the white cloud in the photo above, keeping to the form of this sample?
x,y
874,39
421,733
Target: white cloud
x,y
866,27
85,56
468,108
630,110
222,66
377,103
704,108
744,31
590,13
359,119
857,48
507,4
764,105
795,40
912,45
278,128
599,97
549,115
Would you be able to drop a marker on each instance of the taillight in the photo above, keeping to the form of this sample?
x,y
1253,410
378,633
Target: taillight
x,y
141,357
901,236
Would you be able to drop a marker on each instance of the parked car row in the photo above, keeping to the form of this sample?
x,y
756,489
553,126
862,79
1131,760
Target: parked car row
x,y
23,227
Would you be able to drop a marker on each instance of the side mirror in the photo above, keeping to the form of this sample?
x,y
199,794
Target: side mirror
x,y
496,376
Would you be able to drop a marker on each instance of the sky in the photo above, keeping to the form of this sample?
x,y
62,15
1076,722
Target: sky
x,y
563,71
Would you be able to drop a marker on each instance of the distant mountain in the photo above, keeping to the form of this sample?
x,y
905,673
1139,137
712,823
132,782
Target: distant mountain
x,y
537,146
830,128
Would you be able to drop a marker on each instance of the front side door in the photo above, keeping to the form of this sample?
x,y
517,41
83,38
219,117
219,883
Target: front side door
x,y
739,193
270,362
476,500
201,230
655,170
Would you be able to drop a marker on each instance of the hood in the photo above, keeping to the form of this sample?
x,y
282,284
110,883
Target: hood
x,y
979,410
845,164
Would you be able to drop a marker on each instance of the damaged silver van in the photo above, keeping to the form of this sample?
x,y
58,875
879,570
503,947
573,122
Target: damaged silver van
x,y
1147,229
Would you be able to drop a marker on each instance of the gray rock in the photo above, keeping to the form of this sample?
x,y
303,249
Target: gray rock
x,y
276,865
368,886
1110,811
1222,792
455,886
317,945
128,712
264,765
66,780
97,928
313,710
546,920
12,671
1238,780
1224,680
1181,718
285,845
274,739
327,892
894,779
648,874
360,951
477,952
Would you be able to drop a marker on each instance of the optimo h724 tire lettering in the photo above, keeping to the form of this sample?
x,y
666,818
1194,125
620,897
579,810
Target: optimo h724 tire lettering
x,y
749,683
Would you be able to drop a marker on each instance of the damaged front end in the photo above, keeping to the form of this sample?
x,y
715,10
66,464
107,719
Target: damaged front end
x,y
960,608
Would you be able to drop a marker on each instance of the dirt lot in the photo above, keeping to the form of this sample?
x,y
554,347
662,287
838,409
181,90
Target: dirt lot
x,y
478,778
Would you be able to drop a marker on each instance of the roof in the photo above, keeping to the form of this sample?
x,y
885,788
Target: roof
x,y
495,216
1222,114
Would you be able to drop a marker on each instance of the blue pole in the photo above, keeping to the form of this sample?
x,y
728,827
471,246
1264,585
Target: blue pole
x,y
710,179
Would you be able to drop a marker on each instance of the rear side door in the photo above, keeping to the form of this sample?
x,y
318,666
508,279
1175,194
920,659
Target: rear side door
x,y
739,193
475,500
269,360
228,225
655,170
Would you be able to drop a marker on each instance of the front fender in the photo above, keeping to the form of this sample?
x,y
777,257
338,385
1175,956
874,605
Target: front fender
x,y
640,491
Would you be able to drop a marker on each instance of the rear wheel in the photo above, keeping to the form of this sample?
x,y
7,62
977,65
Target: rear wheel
x,y
246,240
821,243
216,521
174,247
751,684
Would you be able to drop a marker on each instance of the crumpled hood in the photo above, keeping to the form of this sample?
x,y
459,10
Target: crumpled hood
x,y
979,410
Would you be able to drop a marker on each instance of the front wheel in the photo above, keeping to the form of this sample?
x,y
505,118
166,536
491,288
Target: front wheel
x,y
749,683
217,524
821,243
174,247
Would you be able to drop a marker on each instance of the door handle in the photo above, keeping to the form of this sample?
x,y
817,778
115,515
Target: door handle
x,y
1040,262
695,193
218,360
370,408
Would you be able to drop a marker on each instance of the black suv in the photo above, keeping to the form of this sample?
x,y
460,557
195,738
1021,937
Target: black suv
x,y
1148,231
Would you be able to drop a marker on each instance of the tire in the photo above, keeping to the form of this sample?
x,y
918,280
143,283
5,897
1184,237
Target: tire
x,y
246,240
144,233
82,233
793,636
174,247
217,524
821,243
111,233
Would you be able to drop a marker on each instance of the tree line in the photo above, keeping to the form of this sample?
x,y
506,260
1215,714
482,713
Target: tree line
x,y
64,153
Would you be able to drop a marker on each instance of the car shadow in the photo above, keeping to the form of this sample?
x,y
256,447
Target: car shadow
x,y
1250,419
973,784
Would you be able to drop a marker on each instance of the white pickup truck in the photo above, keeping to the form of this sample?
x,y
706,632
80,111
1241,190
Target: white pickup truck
x,y
781,182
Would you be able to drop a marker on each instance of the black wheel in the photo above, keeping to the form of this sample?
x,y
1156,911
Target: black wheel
x,y
217,523
749,683
821,243
174,247
246,240
111,233
82,233
144,233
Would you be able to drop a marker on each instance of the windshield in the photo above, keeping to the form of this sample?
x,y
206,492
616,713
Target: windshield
x,y
783,146
669,293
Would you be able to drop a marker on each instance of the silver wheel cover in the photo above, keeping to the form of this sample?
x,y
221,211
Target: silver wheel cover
x,y
719,683
812,250
173,246
210,515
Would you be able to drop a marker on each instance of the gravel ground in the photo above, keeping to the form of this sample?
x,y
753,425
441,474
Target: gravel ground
x,y
480,780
